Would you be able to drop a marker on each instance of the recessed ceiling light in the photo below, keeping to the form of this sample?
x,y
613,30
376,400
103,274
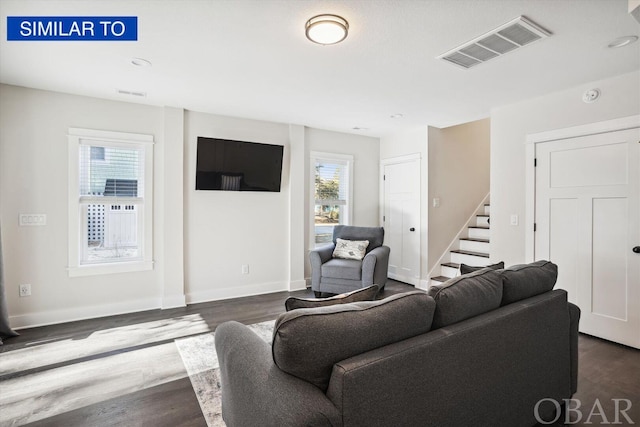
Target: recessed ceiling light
x,y
622,41
140,62
397,116
359,128
326,29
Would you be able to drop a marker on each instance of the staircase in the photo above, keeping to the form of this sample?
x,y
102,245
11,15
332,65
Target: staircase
x,y
471,247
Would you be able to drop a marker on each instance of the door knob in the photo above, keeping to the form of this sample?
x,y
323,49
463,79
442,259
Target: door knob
x,y
413,229
636,250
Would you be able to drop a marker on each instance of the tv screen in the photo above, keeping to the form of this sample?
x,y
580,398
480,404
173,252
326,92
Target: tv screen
x,y
227,165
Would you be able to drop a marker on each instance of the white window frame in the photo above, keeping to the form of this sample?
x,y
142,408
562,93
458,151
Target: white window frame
x,y
315,156
77,232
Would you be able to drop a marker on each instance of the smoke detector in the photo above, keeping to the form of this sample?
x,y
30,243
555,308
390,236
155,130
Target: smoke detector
x,y
506,38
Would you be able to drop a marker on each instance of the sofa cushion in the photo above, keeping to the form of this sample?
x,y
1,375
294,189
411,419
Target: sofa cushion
x,y
365,294
309,341
526,280
350,249
466,296
466,269
338,268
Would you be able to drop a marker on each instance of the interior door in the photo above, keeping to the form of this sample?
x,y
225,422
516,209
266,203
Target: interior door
x,y
402,219
588,223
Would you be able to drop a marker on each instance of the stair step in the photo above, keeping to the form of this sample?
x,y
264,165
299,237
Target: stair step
x,y
471,239
441,279
451,264
484,215
481,227
471,253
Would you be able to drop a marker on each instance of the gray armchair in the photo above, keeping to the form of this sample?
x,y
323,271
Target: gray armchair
x,y
336,275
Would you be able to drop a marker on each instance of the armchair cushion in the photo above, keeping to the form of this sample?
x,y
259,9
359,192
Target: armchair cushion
x,y
337,268
375,235
365,294
309,341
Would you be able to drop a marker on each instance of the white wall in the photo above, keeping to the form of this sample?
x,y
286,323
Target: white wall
x,y
201,238
226,229
414,141
459,177
33,165
620,97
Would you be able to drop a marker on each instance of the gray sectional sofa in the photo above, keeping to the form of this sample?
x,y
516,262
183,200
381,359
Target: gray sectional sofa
x,y
480,350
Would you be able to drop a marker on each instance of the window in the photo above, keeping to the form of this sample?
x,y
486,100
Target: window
x,y
110,202
331,178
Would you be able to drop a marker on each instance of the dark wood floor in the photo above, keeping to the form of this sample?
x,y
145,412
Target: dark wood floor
x,y
607,371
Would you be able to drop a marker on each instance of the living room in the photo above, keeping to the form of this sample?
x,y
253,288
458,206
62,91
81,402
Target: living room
x,y
201,240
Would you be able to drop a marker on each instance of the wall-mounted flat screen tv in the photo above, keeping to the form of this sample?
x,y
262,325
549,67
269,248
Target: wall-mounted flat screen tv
x,y
228,165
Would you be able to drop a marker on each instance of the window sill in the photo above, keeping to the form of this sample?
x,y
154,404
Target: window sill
x,y
112,268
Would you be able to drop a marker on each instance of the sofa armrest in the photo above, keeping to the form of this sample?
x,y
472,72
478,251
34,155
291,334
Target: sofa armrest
x,y
255,392
375,267
317,257
574,319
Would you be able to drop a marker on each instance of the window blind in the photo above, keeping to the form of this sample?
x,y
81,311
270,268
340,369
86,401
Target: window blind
x,y
331,182
111,174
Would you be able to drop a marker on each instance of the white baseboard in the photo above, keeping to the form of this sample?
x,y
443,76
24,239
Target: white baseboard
x,y
297,285
424,284
236,292
43,318
174,301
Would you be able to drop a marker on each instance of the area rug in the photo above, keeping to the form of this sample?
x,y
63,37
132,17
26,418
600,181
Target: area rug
x,y
199,357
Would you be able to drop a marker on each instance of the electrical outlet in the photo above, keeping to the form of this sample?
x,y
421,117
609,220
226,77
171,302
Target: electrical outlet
x,y
245,268
25,290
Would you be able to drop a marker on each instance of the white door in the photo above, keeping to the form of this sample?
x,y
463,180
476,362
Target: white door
x,y
588,223
401,219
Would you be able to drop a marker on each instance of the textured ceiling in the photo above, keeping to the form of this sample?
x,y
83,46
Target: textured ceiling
x,y
250,58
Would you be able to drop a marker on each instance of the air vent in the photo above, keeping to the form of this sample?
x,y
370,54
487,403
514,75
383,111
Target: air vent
x,y
131,93
506,38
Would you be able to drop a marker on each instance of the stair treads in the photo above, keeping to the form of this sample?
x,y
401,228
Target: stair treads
x,y
480,254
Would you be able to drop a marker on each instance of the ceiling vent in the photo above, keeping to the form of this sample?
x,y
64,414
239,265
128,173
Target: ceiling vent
x,y
131,93
506,38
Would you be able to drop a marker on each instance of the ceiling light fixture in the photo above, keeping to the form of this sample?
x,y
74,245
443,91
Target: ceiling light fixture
x,y
327,29
397,116
140,62
622,41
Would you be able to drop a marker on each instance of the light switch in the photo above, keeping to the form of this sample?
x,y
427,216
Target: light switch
x,y
33,219
436,202
514,219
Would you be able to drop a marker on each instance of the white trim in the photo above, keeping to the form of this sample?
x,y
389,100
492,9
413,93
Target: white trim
x,y
297,285
174,301
313,157
623,123
52,317
613,125
401,159
236,292
109,268
77,137
104,135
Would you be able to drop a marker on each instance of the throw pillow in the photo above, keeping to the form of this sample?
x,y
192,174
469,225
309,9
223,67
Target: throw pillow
x,y
466,296
526,280
308,342
350,249
365,294
465,269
